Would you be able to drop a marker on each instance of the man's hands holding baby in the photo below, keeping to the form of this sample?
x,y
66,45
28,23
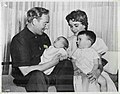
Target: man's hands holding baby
x,y
59,57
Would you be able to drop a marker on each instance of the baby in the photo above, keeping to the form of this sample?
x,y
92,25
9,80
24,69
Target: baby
x,y
59,47
87,60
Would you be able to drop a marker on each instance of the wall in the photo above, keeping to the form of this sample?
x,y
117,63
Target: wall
x,y
102,17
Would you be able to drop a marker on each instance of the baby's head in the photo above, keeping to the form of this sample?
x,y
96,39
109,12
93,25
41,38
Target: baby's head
x,y
85,39
61,42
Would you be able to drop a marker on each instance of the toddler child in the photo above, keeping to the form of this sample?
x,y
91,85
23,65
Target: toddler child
x,y
87,60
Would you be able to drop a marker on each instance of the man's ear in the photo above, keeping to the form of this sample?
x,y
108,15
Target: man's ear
x,y
34,21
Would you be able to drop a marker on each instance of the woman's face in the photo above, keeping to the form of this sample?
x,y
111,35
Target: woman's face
x,y
76,26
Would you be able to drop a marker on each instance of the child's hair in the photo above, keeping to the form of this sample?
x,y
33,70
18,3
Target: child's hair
x,y
65,42
90,34
78,15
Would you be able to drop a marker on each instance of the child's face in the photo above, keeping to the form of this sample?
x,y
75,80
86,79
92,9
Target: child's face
x,y
76,26
83,42
58,43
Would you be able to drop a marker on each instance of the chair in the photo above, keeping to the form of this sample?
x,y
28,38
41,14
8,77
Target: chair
x,y
9,86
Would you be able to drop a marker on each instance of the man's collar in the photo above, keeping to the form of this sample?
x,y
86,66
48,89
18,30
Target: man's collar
x,y
29,34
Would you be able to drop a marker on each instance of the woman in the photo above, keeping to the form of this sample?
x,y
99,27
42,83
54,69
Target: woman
x,y
78,21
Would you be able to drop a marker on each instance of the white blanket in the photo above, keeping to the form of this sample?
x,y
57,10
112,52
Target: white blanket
x,y
49,54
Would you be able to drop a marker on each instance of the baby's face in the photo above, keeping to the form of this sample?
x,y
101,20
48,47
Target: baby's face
x,y
83,42
58,43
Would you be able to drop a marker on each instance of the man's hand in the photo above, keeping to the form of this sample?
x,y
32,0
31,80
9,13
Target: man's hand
x,y
56,59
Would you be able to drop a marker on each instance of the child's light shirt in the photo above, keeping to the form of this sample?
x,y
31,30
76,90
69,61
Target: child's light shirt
x,y
49,54
99,45
85,59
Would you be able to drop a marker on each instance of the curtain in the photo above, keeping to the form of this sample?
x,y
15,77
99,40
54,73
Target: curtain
x,y
102,18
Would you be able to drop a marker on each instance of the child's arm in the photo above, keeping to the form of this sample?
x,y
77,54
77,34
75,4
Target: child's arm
x,y
94,74
74,65
97,69
77,71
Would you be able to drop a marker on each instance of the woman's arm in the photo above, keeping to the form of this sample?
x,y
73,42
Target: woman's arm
x,y
96,73
100,46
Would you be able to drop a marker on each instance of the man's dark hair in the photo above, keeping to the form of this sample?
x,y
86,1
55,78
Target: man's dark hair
x,y
78,15
36,12
90,34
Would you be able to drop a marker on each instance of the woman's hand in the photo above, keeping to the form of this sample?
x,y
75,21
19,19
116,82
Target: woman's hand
x,y
92,76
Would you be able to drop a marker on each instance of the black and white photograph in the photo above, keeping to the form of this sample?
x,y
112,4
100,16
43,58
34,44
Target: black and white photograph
x,y
59,46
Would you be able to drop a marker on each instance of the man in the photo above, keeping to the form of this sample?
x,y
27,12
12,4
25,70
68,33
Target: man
x,y
26,49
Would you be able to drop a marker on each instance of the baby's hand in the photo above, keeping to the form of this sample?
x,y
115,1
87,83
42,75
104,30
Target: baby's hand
x,y
62,57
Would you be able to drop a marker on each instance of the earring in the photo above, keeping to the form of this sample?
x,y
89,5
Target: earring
x,y
77,44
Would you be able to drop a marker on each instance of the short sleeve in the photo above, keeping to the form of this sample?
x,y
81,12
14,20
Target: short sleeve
x,y
20,54
100,46
94,54
76,54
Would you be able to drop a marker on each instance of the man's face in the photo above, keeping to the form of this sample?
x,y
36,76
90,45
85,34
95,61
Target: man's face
x,y
42,24
76,26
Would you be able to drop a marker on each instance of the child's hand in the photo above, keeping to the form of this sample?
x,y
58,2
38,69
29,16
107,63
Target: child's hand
x,y
77,72
72,59
83,74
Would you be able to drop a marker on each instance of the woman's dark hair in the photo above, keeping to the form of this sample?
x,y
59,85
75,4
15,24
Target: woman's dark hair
x,y
90,34
36,12
78,15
